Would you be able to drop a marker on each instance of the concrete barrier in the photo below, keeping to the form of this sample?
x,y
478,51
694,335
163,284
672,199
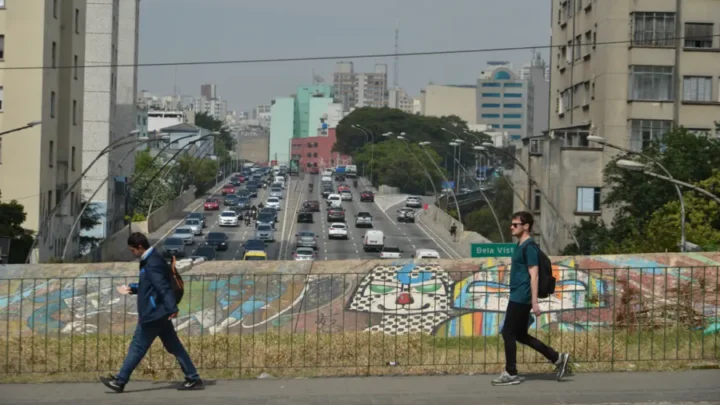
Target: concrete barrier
x,y
387,190
162,215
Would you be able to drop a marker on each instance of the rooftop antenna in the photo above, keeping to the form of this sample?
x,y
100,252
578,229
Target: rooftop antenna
x,y
397,58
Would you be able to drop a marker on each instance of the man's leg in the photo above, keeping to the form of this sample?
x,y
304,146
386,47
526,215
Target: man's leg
x,y
560,360
174,346
139,345
513,315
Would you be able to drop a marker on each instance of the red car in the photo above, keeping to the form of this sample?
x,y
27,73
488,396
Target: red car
x,y
241,178
212,204
343,187
228,189
367,196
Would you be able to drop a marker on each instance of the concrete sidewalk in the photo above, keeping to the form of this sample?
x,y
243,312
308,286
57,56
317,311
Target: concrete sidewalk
x,y
596,388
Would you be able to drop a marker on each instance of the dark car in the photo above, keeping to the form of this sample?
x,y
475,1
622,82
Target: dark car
x,y
231,200
255,244
174,247
206,251
367,196
335,215
243,203
269,211
311,206
199,216
327,191
244,194
265,219
305,217
218,240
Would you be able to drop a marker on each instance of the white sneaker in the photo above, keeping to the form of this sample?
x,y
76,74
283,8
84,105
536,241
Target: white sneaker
x,y
506,379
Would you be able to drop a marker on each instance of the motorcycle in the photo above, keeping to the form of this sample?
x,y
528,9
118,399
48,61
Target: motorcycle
x,y
310,187
355,183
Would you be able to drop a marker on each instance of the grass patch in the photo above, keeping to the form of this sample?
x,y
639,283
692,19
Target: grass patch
x,y
83,358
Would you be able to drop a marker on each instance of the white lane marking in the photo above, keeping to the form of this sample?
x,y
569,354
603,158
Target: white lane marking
x,y
283,236
215,190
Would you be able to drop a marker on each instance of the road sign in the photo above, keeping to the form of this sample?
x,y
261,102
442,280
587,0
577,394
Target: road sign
x,y
492,249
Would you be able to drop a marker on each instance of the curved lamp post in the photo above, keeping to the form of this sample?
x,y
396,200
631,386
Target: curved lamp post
x,y
602,141
427,174
640,167
368,134
532,179
26,126
422,146
118,143
149,182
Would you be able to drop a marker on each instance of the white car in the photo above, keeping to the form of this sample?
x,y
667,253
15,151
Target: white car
x,y
273,202
391,252
228,218
334,200
426,254
338,231
413,202
346,196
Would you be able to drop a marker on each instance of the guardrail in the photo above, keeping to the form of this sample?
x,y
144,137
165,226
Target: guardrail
x,y
450,321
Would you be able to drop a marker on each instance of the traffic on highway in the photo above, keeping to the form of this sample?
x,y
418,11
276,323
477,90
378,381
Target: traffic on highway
x,y
267,214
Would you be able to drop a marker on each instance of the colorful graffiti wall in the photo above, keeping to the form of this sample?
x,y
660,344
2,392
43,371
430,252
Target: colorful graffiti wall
x,y
443,298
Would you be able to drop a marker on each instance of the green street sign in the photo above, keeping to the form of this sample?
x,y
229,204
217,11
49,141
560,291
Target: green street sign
x,y
492,249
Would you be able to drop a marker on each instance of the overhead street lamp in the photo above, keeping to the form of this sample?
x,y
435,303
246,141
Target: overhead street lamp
x,y
522,167
427,174
422,146
640,167
118,143
26,126
371,136
602,141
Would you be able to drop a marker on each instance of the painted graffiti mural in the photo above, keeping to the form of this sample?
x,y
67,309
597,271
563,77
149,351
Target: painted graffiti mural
x,y
447,298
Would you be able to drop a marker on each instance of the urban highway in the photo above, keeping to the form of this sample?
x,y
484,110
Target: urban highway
x,y
407,236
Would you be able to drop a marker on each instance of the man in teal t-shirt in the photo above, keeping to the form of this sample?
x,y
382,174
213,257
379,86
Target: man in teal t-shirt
x,y
524,299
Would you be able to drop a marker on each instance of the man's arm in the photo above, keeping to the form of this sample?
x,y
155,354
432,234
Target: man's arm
x,y
533,265
158,278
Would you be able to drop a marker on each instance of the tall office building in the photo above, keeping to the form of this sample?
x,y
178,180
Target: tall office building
x,y
109,110
360,89
630,92
39,165
502,101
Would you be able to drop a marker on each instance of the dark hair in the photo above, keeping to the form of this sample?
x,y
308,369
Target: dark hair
x,y
524,217
138,240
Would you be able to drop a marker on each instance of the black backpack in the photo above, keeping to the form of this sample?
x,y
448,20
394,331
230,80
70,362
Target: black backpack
x,y
546,281
176,281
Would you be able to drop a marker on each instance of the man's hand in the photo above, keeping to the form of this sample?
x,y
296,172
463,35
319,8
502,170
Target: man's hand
x,y
124,290
536,308
172,316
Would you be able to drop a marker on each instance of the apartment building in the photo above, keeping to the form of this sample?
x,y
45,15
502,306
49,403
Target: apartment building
x,y
441,100
617,72
39,165
109,108
399,99
502,102
356,90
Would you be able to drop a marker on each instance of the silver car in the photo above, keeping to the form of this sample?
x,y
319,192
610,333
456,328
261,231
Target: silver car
x,y
265,233
185,233
276,192
304,253
195,225
306,239
174,247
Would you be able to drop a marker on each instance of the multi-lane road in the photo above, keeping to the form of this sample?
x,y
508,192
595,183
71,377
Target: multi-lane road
x,y
407,236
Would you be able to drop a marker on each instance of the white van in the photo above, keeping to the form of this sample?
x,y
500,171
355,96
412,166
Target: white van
x,y
334,200
373,240
426,254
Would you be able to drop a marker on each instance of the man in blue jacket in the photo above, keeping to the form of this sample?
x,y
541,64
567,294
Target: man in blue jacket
x,y
156,308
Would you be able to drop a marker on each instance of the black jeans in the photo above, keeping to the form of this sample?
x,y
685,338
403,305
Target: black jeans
x,y
515,329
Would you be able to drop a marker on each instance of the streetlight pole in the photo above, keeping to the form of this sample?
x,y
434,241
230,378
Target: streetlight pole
x,y
602,141
46,222
533,181
26,126
427,174
372,148
637,166
422,146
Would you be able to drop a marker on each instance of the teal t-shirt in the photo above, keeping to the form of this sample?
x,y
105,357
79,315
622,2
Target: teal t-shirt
x,y
520,291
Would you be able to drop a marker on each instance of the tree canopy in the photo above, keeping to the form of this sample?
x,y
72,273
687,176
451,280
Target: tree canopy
x,y
224,143
12,216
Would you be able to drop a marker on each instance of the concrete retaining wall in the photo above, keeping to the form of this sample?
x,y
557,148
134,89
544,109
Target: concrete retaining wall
x,y
162,215
440,222
387,190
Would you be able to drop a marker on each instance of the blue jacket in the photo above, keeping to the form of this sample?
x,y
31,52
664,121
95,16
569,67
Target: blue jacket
x,y
155,298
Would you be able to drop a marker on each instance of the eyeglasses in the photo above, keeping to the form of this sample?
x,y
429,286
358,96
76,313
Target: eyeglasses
x,y
516,224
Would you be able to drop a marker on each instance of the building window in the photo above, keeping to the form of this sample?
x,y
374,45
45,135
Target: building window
x,y
513,95
698,35
513,85
697,88
588,199
644,132
309,154
315,154
588,45
490,105
315,144
490,94
537,199
2,47
651,83
2,97
74,112
51,154
72,158
75,67
573,138
491,85
577,50
512,126
653,29
490,115
512,116
52,104
55,8
536,146
512,105
77,21
54,54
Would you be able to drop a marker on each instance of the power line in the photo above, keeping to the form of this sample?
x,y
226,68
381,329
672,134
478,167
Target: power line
x,y
336,57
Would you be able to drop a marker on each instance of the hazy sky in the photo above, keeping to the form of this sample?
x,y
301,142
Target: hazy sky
x,y
207,30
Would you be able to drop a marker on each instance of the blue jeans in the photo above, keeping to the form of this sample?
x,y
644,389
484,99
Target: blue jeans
x,y
145,334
